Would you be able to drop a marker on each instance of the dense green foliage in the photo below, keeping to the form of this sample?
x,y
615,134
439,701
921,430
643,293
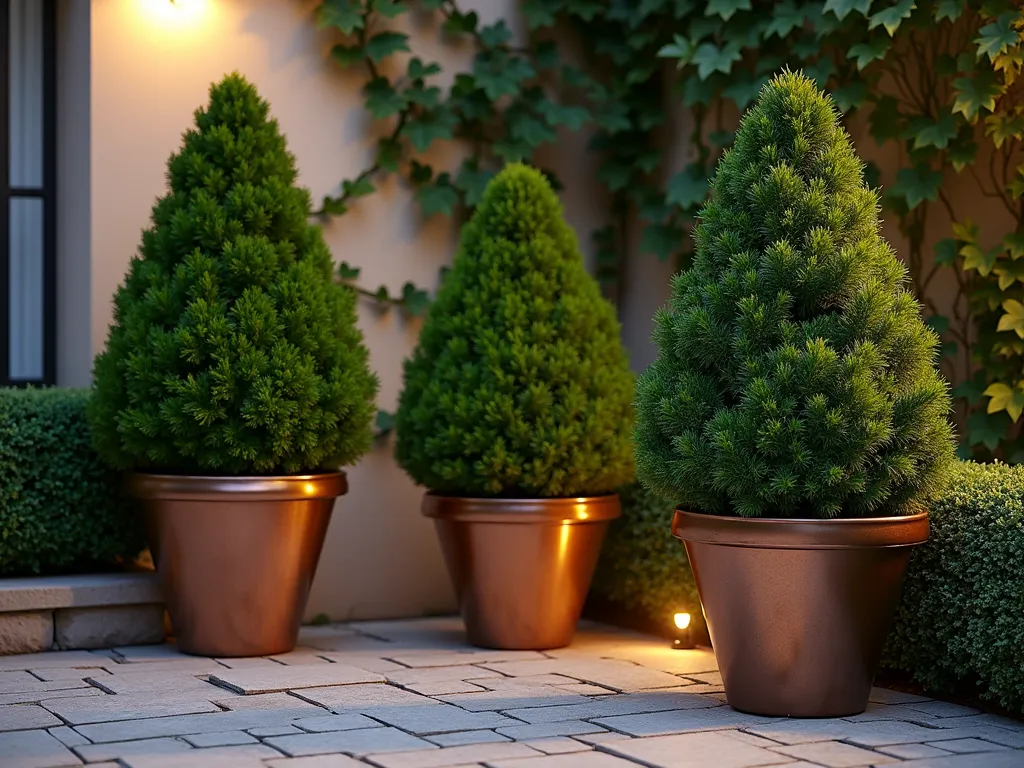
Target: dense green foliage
x,y
927,75
642,566
61,508
233,351
519,385
961,620
795,377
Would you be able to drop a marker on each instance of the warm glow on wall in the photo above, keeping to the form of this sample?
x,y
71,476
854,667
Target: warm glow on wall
x,y
176,14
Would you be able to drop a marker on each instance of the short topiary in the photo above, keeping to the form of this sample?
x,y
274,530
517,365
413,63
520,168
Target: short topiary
x,y
795,377
960,624
61,507
233,351
519,385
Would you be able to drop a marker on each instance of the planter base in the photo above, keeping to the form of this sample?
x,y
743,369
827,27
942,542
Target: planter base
x,y
521,568
236,556
798,610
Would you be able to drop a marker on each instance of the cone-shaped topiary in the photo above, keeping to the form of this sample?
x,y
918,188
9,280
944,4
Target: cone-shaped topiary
x,y
520,386
795,377
232,350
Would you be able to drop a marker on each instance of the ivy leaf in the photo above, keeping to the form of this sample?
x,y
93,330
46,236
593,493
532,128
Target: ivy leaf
x,y
389,152
358,188
546,55
744,90
472,181
389,8
850,95
689,187
417,70
434,124
949,9
893,16
458,22
499,74
427,98
785,18
963,153
998,36
1016,185
945,252
346,15
384,44
1014,243
915,185
415,301
1009,272
971,390
420,173
842,8
976,258
347,55
662,240
987,429
867,52
710,58
537,14
495,35
680,49
820,71
333,206
885,120
726,8
382,100
571,117
528,129
512,151
1013,320
974,94
937,134
967,232
721,138
1002,127
1003,398
347,272
439,197
385,423
938,323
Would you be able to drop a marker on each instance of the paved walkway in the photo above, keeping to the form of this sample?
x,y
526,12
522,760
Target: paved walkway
x,y
412,694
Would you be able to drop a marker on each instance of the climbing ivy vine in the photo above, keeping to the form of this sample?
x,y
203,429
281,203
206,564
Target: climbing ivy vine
x,y
939,81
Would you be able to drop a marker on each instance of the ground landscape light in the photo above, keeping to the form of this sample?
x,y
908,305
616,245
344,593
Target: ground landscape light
x,y
683,639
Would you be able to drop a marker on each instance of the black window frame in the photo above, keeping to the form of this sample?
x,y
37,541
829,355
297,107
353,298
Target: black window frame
x,y
47,193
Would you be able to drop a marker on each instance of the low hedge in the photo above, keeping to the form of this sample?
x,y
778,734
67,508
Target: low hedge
x,y
961,620
61,509
643,568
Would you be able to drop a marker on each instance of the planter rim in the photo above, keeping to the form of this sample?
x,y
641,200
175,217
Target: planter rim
x,y
801,533
574,509
143,485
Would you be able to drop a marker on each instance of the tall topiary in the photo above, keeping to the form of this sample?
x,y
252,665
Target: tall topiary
x,y
795,377
520,385
232,350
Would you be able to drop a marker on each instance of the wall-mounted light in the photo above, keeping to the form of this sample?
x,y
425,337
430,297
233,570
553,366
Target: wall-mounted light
x,y
683,639
176,13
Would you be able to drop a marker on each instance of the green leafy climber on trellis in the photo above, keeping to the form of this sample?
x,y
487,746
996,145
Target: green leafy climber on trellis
x,y
938,80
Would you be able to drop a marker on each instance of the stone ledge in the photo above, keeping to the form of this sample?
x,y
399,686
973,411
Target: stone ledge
x,y
93,591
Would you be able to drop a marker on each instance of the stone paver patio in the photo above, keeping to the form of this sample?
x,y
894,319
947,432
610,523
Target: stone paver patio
x,y
412,694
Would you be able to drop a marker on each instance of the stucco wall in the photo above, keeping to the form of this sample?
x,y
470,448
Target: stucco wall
x,y
146,65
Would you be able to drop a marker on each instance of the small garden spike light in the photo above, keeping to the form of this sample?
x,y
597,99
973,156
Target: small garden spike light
x,y
683,639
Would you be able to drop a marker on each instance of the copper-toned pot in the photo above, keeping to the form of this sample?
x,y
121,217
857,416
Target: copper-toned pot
x,y
521,567
798,610
236,555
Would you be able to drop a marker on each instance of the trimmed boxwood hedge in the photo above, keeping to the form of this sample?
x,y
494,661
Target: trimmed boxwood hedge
x,y
961,619
61,508
643,568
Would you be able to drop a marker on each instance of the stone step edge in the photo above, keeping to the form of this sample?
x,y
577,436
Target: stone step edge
x,y
86,591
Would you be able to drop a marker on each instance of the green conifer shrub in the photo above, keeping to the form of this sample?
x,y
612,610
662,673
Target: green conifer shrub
x,y
232,350
795,377
520,385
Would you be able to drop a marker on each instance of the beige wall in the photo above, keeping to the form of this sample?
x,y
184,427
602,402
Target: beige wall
x,y
144,66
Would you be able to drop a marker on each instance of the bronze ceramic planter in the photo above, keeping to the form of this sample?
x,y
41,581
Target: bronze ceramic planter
x,y
236,555
521,568
798,610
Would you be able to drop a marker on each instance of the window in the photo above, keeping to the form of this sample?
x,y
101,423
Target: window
x,y
27,176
